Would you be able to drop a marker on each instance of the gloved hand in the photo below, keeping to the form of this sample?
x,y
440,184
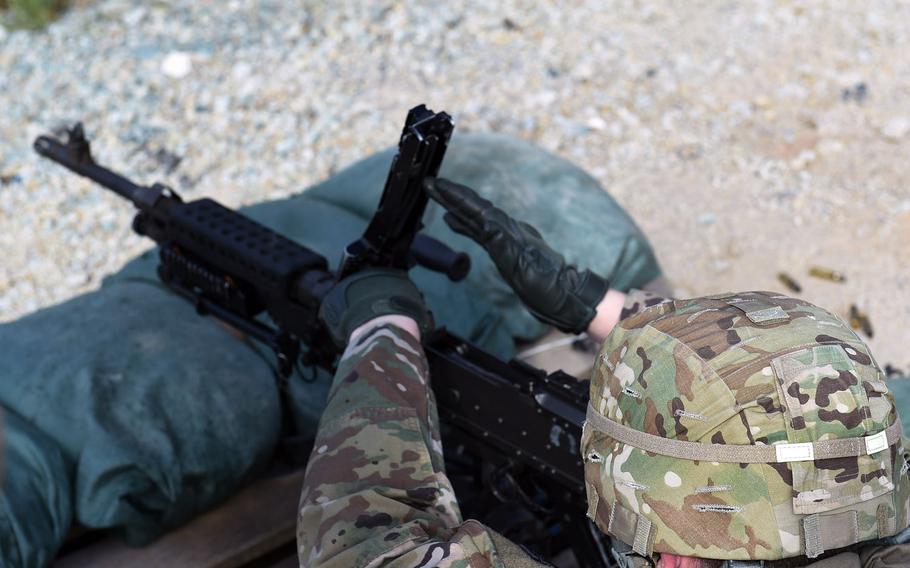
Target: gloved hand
x,y
556,293
369,294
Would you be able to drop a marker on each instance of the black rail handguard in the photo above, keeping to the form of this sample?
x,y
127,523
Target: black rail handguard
x,y
227,264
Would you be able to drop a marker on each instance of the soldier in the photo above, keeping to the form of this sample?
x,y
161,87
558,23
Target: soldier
x,y
736,430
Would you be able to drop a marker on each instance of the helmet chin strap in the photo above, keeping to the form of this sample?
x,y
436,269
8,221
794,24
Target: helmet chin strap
x,y
625,557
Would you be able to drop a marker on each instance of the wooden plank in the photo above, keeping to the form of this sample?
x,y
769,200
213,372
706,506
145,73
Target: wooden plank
x,y
257,520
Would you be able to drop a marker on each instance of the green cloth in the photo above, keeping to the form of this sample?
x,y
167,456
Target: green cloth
x,y
158,414
900,388
36,502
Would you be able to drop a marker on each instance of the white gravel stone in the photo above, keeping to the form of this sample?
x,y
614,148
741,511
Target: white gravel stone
x,y
177,65
896,128
707,218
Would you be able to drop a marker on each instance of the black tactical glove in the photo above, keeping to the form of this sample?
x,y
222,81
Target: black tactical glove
x,y
556,293
368,294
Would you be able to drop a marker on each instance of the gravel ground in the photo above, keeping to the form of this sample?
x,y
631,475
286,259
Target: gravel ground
x,y
746,138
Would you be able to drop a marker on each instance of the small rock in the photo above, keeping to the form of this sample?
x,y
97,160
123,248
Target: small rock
x,y
75,280
707,218
628,118
10,178
689,152
166,159
177,65
544,98
285,146
221,105
241,70
896,128
583,70
134,16
792,91
146,51
596,123
572,129
857,93
510,24
830,147
803,159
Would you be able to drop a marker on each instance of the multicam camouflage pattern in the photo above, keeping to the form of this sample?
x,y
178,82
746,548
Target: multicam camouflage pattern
x,y
375,491
750,368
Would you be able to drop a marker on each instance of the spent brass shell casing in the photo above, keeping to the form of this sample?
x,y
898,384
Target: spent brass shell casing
x,y
855,321
789,282
866,325
827,274
860,321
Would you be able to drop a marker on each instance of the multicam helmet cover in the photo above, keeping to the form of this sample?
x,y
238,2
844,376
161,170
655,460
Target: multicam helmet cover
x,y
744,427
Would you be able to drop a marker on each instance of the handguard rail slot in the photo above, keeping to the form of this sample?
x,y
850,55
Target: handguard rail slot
x,y
241,246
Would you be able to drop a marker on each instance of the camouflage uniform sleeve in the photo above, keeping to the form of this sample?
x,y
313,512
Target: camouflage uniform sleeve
x,y
638,300
375,491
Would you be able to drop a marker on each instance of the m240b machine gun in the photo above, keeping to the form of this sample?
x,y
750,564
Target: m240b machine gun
x,y
511,431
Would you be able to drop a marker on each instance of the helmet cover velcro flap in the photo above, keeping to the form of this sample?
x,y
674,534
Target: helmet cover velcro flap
x,y
767,427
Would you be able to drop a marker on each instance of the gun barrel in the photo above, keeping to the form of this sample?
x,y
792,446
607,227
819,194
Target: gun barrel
x,y
436,255
78,160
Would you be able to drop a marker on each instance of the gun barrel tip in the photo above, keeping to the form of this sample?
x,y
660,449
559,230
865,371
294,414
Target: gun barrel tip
x,y
41,144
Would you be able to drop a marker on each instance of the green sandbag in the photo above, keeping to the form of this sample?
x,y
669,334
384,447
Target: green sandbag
x,y
36,501
900,388
163,413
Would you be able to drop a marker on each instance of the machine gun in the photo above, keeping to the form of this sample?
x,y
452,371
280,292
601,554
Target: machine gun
x,y
511,431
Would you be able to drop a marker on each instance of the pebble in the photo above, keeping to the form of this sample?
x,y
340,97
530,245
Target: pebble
x,y
177,65
133,17
896,128
596,123
707,218
803,159
688,152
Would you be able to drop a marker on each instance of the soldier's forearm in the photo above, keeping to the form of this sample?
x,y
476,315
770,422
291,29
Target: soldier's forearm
x,y
608,313
617,306
375,478
402,322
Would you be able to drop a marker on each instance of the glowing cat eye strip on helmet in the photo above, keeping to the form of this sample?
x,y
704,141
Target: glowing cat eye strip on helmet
x,y
738,453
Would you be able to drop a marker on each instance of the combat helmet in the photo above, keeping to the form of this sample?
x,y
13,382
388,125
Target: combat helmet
x,y
749,426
